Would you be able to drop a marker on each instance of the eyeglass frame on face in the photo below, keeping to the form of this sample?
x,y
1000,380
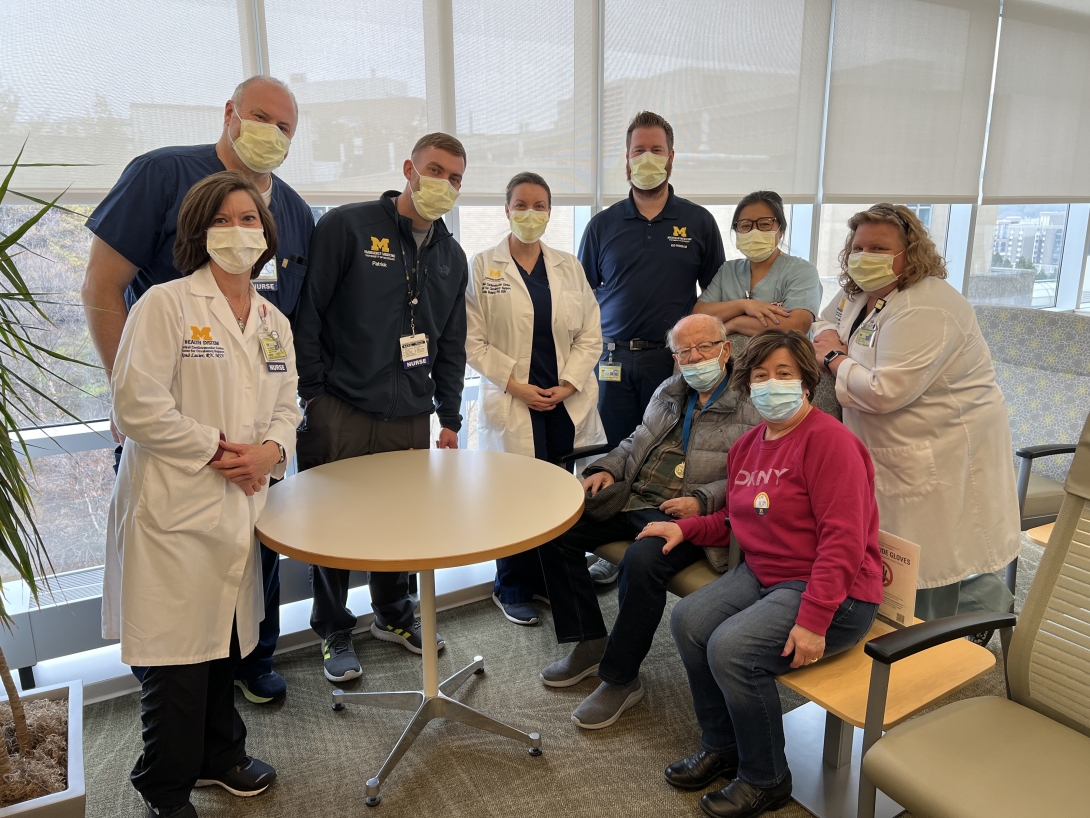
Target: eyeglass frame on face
x,y
757,223
685,354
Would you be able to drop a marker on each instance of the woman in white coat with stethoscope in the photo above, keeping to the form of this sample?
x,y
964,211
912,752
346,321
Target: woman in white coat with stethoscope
x,y
534,333
204,391
916,381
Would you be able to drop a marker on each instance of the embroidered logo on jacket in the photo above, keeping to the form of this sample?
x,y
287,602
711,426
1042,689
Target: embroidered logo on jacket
x,y
201,333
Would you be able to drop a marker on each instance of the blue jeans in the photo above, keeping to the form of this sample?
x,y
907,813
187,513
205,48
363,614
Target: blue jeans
x,y
730,635
622,403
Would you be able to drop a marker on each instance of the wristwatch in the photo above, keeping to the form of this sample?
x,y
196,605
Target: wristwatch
x,y
833,355
283,454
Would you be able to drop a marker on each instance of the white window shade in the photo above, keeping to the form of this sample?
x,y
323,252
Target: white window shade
x,y
1039,142
908,100
524,89
357,70
100,83
741,82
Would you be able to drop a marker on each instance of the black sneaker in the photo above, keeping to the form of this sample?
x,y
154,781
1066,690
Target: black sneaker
x,y
339,659
408,636
251,777
186,810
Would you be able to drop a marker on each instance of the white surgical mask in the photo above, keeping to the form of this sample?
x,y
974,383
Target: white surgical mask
x,y
648,170
261,146
872,271
236,249
528,225
435,197
703,376
756,245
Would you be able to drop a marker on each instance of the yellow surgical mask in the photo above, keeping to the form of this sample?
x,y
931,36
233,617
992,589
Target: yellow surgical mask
x,y
528,225
435,197
235,249
756,245
872,271
261,146
648,170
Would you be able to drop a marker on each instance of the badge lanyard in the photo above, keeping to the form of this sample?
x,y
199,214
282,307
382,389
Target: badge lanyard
x,y
686,427
864,336
414,348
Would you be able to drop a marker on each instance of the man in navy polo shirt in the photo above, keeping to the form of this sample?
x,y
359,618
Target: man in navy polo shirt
x,y
643,257
133,249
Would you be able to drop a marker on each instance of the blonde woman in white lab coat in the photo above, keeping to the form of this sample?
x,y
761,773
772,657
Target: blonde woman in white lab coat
x,y
534,333
204,391
917,384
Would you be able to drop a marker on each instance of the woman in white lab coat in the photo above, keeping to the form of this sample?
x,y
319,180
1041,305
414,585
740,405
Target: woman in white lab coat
x,y
204,391
535,334
916,381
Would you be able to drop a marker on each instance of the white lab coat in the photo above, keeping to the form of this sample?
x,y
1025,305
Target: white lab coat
x,y
499,340
924,400
181,558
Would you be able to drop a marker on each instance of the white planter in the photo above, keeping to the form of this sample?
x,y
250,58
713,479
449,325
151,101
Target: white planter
x,y
72,802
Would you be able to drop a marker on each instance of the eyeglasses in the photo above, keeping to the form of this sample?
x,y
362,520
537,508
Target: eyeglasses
x,y
766,225
705,350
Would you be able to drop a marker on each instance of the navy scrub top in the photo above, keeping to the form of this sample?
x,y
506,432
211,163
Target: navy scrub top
x,y
544,372
644,273
139,219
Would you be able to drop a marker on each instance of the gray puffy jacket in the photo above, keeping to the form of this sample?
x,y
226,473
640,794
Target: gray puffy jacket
x,y
714,431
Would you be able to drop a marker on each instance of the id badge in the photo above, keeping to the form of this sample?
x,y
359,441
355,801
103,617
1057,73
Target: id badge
x,y
865,337
266,279
609,372
274,353
414,350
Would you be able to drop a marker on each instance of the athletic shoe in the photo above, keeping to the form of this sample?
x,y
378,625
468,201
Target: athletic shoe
x,y
408,635
582,662
251,777
186,810
340,662
606,704
521,613
264,689
604,572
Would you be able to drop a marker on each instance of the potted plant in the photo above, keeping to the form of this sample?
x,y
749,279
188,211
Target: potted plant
x,y
49,753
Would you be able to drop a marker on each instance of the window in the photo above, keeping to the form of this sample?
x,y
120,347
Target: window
x,y
1017,250
358,72
101,83
53,265
833,231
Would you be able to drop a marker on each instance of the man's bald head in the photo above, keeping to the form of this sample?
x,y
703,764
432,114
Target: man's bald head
x,y
701,326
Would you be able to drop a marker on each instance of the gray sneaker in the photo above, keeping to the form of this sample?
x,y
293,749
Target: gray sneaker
x,y
604,572
576,666
606,704
339,658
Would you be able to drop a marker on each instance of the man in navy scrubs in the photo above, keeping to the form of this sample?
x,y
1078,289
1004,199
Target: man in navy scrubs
x,y
133,249
643,257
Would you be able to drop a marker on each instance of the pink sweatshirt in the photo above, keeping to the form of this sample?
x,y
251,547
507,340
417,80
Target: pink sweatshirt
x,y
802,508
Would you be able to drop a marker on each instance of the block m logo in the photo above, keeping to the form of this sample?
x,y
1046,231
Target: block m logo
x,y
679,231
380,245
201,333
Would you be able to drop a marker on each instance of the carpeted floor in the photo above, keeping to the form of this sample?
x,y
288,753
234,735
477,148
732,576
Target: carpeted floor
x,y
323,758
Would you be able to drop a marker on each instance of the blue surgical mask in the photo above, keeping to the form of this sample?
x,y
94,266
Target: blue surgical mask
x,y
776,400
703,376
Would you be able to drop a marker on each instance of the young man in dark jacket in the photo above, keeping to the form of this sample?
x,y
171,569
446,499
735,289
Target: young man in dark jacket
x,y
380,345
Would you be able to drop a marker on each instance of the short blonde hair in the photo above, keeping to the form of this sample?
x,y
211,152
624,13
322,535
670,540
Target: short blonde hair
x,y
922,259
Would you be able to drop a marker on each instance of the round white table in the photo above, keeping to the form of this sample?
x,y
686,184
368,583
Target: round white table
x,y
418,511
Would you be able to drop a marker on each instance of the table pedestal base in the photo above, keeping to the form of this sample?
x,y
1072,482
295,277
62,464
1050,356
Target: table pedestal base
x,y
433,702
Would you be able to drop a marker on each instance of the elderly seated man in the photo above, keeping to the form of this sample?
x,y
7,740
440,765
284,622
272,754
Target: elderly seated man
x,y
674,466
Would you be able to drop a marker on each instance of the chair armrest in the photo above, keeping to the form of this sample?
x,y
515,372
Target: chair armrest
x,y
911,640
590,451
1044,450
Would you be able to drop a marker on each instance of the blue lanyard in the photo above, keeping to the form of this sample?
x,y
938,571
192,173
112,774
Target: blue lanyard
x,y
688,424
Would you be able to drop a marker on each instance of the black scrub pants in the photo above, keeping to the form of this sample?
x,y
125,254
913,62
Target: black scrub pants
x,y
333,430
191,727
621,404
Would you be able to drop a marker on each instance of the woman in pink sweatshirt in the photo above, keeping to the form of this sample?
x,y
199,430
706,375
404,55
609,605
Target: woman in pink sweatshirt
x,y
800,500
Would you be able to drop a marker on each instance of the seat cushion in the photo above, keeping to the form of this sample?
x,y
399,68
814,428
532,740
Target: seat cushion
x,y
983,757
684,583
1043,498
